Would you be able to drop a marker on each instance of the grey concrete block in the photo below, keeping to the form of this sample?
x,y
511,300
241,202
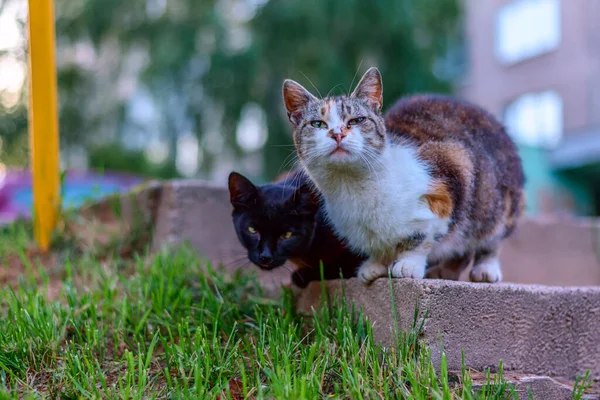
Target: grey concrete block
x,y
532,329
540,386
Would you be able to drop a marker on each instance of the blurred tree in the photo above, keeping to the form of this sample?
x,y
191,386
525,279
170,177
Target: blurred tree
x,y
13,113
197,61
331,42
113,157
141,43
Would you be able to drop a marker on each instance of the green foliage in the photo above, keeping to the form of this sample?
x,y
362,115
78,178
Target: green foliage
x,y
189,55
113,157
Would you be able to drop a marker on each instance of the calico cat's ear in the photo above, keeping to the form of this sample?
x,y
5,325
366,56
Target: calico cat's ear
x,y
241,190
370,88
295,98
306,200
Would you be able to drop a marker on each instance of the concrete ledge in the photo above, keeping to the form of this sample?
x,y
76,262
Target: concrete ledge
x,y
542,387
532,329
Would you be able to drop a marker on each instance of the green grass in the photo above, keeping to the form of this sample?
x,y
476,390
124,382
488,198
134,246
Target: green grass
x,y
169,327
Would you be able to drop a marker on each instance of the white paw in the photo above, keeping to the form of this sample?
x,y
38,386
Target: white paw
x,y
370,270
488,271
412,266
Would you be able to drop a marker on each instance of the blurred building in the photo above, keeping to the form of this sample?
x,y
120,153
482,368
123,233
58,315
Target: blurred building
x,y
536,65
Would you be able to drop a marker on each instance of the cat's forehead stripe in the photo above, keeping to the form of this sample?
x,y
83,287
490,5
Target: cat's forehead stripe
x,y
335,118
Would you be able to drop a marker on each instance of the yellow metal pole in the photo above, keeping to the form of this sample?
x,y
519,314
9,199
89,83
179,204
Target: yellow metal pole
x,y
43,120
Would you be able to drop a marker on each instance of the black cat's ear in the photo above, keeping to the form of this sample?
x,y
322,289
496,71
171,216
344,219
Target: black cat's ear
x,y
295,98
241,190
306,200
370,88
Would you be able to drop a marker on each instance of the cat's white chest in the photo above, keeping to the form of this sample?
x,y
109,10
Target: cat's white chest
x,y
373,215
359,218
371,222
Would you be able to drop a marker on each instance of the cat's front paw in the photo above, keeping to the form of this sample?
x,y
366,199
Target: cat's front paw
x,y
371,270
411,266
488,271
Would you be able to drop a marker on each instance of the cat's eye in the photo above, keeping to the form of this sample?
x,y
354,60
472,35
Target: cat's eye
x,y
356,121
286,235
251,230
318,124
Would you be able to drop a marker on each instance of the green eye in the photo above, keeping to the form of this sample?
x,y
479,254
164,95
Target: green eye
x,y
318,124
286,235
251,230
356,121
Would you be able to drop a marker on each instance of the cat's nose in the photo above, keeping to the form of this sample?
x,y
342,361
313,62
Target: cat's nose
x,y
265,261
337,134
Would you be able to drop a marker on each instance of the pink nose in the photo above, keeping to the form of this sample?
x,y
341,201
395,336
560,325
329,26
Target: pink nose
x,y
338,134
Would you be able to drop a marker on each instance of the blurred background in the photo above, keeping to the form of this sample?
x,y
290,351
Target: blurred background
x,y
192,88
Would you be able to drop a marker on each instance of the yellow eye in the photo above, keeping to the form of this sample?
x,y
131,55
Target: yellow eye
x,y
286,235
318,124
251,230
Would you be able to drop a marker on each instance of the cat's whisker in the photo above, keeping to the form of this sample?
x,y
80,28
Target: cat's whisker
x,y
231,252
313,85
242,262
293,156
290,183
293,162
366,160
300,174
355,75
333,88
287,267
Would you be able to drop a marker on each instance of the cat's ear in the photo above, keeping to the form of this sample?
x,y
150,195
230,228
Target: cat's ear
x,y
306,200
370,88
295,98
241,190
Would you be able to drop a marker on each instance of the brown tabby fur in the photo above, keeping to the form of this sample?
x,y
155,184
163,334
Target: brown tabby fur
x,y
477,165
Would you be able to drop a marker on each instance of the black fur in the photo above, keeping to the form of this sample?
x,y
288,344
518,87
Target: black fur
x,y
289,205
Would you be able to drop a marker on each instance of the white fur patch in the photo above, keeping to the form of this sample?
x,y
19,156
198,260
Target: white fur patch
x,y
487,271
334,120
371,270
410,265
382,206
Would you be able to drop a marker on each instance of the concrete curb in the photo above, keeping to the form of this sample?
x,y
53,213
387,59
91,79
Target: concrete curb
x,y
532,329
542,387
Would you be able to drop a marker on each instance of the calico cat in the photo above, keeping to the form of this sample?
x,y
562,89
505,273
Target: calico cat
x,y
435,183
284,221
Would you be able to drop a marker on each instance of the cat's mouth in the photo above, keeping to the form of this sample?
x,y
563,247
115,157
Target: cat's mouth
x,y
270,265
339,151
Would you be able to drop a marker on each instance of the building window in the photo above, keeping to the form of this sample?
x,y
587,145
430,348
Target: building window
x,y
535,119
526,29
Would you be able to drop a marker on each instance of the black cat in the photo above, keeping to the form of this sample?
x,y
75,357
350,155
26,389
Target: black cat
x,y
284,221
